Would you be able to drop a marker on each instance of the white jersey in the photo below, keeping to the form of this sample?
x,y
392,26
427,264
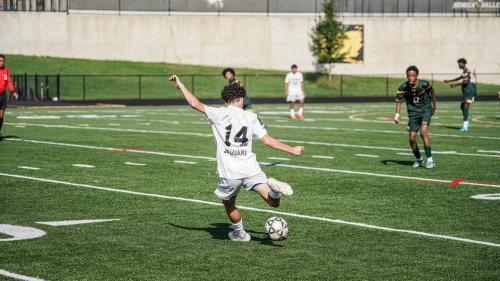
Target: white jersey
x,y
233,130
294,82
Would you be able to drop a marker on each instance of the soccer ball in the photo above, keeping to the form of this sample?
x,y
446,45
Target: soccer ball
x,y
276,228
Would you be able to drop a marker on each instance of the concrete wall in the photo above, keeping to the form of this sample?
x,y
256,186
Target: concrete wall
x,y
390,44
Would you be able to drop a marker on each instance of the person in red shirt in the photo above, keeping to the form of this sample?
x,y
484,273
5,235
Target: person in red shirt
x,y
5,82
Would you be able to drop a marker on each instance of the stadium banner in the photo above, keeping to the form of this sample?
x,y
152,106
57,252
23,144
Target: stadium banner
x,y
353,44
477,6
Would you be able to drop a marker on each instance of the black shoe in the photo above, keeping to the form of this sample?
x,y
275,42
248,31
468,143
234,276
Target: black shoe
x,y
1,137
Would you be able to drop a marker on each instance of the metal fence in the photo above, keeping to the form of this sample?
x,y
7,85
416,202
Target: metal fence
x,y
120,87
356,8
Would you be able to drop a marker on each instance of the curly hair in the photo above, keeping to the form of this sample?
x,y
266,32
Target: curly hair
x,y
227,70
232,92
412,68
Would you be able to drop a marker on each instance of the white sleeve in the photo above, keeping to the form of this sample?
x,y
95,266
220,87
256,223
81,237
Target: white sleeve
x,y
287,78
301,77
212,114
257,129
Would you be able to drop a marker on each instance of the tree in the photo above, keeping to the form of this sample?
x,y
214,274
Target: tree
x,y
327,38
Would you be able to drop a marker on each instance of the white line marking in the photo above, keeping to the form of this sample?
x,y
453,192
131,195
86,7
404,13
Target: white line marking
x,y
19,126
366,155
263,163
83,166
38,117
28,168
185,162
324,157
19,276
380,131
261,210
135,164
278,158
110,129
113,124
65,223
382,148
488,151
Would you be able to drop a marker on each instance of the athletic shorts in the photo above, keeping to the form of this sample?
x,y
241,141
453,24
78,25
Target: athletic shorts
x,y
294,97
3,101
229,188
469,98
415,122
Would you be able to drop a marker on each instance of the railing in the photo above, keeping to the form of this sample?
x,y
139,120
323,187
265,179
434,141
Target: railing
x,y
119,87
356,8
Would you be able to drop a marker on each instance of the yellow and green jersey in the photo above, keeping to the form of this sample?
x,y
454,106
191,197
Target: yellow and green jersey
x,y
246,101
469,89
418,98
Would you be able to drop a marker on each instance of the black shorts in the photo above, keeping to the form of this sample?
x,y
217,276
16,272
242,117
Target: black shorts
x,y
3,101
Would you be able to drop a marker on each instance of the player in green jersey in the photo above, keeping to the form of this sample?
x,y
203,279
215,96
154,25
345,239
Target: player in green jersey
x,y
468,91
228,73
421,105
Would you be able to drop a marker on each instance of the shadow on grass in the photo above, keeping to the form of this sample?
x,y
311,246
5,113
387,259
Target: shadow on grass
x,y
453,128
219,231
8,137
404,163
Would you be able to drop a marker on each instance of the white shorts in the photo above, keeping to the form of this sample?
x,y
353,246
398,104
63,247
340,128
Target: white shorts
x,y
293,97
229,188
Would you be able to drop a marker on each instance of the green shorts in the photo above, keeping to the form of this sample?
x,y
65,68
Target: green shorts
x,y
415,122
469,95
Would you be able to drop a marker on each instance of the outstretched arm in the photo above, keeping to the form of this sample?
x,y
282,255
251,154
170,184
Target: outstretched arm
x,y
190,98
452,80
433,97
398,108
464,82
276,144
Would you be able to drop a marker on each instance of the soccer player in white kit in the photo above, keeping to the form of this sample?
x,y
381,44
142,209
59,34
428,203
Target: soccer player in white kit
x,y
237,165
294,91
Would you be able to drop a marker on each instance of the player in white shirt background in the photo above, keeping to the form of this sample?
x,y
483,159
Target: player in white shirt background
x,y
294,91
237,165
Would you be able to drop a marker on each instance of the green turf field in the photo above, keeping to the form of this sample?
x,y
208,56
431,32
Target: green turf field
x,y
120,80
359,211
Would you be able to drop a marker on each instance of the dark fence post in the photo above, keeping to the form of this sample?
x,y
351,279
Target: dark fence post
x,y
47,86
140,86
119,7
36,85
168,7
26,85
267,3
58,82
67,7
387,85
341,85
83,87
192,84
245,81
432,78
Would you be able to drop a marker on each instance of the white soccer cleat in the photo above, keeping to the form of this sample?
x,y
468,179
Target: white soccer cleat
x,y
233,235
279,186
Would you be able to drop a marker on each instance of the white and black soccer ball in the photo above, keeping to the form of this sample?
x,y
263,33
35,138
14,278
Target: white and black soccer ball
x,y
276,228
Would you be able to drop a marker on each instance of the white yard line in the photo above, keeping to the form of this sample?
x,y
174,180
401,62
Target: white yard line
x,y
262,210
367,155
134,164
109,129
83,166
184,162
488,151
278,158
19,276
28,168
323,157
380,131
264,163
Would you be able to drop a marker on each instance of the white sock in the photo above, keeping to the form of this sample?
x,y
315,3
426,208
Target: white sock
x,y
238,227
301,109
273,194
429,159
466,124
420,159
292,112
